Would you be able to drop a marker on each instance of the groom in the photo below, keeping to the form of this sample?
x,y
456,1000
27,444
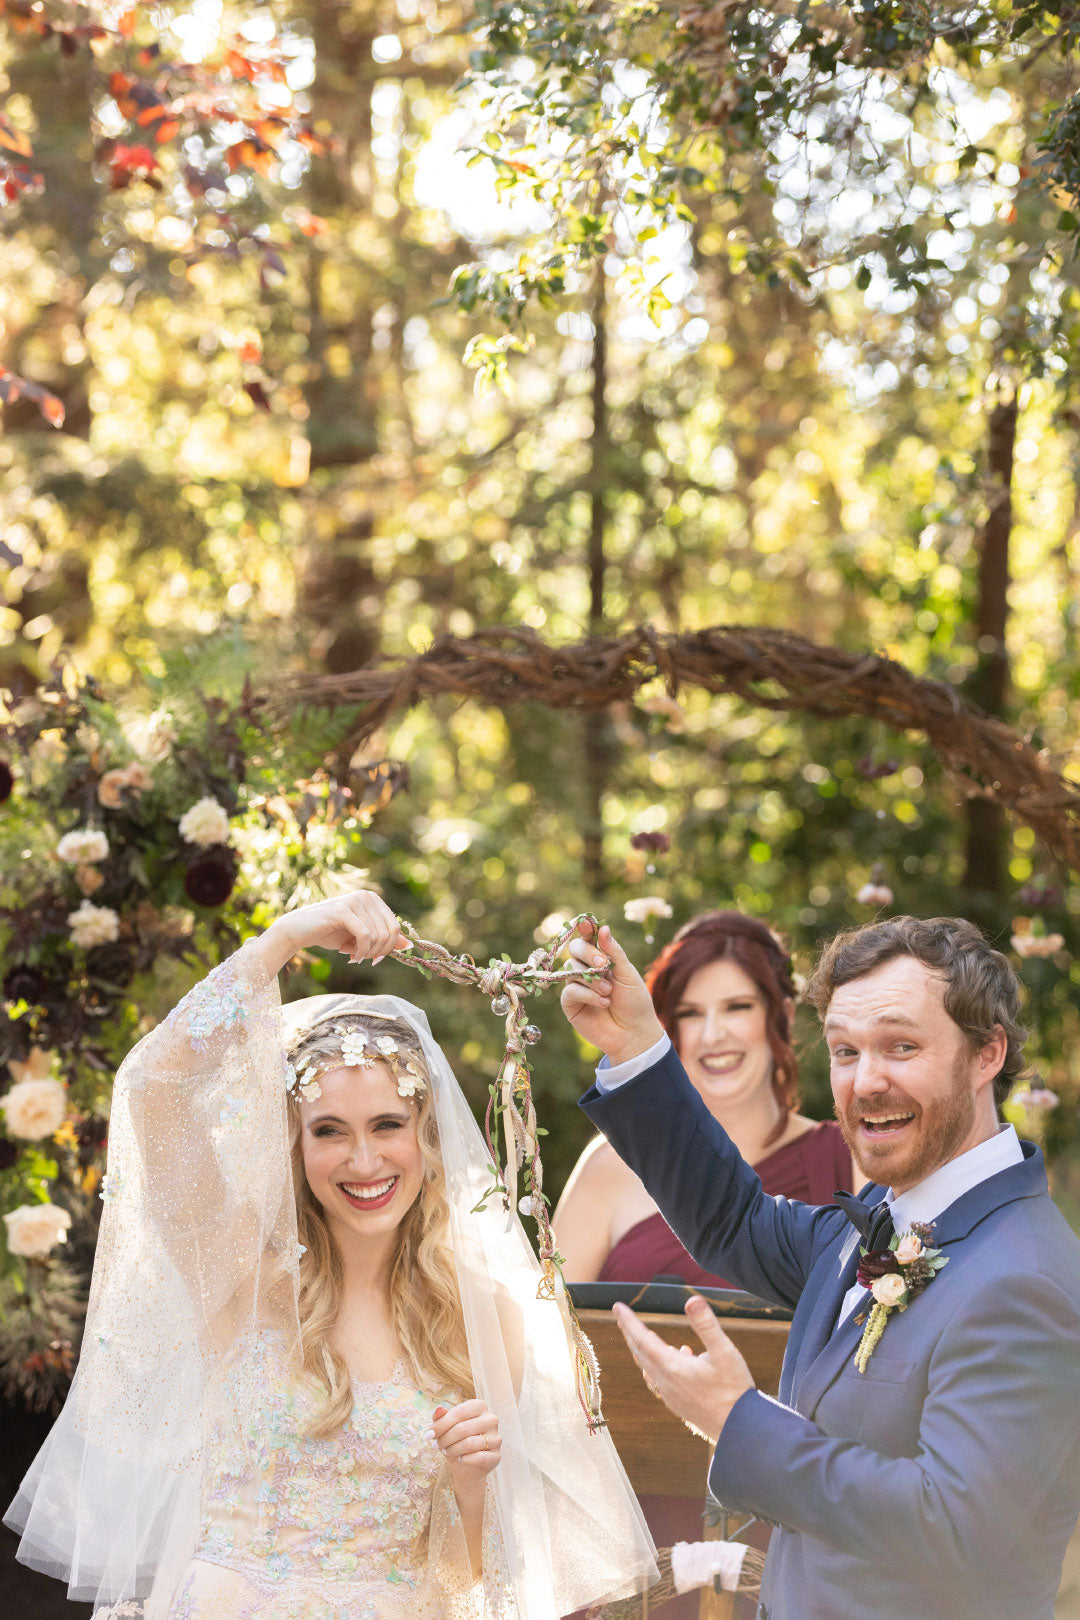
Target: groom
x,y
942,1482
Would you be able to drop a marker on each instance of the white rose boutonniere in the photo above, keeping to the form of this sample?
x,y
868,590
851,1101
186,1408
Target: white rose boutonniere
x,y
895,1276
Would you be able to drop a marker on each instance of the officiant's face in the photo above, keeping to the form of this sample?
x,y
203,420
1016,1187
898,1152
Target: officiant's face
x,y
362,1154
721,1034
907,1086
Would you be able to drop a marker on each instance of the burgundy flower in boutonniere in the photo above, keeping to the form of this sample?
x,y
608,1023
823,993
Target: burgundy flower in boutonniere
x,y
895,1276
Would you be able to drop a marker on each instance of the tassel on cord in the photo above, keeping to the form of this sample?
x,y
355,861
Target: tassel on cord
x,y
511,1109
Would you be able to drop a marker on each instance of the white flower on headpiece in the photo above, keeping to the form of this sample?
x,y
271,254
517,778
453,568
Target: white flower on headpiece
x,y
111,1188
408,1085
354,1048
386,1045
290,1077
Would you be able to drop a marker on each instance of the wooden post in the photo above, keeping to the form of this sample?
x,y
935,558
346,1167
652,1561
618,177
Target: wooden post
x,y
660,1454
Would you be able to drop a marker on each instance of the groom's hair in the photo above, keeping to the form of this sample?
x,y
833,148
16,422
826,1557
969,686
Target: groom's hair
x,y
981,988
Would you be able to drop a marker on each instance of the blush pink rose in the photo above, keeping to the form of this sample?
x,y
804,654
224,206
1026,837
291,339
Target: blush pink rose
x,y
908,1249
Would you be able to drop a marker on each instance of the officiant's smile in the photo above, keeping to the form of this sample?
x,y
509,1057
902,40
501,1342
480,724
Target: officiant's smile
x,y
911,1089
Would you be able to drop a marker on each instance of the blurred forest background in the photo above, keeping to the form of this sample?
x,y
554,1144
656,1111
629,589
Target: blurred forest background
x,y
366,324
331,330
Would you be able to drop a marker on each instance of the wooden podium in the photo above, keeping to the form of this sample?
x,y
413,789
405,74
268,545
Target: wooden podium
x,y
661,1456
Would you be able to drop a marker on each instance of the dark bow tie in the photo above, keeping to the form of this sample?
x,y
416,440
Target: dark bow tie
x,y
873,1222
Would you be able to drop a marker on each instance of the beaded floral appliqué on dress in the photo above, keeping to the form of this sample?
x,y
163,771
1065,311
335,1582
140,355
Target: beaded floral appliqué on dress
x,y
296,1528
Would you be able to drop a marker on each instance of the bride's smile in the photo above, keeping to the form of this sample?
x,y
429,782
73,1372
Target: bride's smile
x,y
362,1154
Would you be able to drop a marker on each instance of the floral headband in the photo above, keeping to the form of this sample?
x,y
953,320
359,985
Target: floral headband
x,y
350,1045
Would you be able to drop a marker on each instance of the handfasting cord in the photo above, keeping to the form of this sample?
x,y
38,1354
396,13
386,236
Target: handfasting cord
x,y
510,1102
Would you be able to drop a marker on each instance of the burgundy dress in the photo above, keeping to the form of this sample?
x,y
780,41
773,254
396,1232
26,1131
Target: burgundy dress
x,y
810,1169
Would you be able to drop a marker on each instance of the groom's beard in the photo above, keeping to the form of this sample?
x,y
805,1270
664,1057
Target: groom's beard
x,y
941,1125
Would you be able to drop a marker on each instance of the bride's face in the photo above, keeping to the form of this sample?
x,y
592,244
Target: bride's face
x,y
361,1151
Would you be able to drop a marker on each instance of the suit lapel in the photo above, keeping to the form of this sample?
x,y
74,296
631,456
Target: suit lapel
x,y
815,1370
824,1352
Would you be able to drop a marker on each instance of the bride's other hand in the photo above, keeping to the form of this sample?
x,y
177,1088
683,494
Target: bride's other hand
x,y
358,924
615,1013
468,1437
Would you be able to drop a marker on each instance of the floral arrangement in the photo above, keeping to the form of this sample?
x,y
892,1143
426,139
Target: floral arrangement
x,y
127,839
895,1276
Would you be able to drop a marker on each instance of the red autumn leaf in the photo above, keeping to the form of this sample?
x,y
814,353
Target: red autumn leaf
x,y
269,130
239,66
309,224
13,388
127,162
257,394
52,409
13,139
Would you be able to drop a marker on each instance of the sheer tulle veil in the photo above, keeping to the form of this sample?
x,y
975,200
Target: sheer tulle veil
x,y
198,1246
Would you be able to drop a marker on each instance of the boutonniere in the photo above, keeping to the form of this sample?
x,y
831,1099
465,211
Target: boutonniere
x,y
895,1276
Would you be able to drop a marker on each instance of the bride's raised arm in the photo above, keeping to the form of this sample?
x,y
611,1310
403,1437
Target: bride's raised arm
x,y
197,1191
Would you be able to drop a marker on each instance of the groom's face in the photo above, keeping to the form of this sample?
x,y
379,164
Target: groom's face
x,y
906,1083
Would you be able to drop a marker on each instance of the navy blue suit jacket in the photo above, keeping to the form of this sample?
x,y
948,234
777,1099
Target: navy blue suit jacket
x,y
944,1482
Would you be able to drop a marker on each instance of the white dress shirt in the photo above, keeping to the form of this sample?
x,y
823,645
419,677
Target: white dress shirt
x,y
930,1198
925,1202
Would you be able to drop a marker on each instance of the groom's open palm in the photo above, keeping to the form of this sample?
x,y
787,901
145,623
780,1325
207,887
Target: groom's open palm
x,y
699,1389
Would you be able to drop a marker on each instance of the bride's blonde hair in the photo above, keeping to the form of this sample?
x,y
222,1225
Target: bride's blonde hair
x,y
422,1291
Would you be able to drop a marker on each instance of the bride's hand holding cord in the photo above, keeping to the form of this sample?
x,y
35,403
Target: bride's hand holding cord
x,y
359,925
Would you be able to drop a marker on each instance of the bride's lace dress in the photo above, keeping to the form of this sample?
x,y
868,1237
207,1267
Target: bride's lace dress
x,y
358,1526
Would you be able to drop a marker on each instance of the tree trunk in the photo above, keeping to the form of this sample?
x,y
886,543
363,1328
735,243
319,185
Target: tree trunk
x,y
598,741
989,687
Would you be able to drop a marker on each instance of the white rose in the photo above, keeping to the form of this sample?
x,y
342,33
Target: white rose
x,y
890,1289
1037,944
875,894
34,1229
34,1108
205,823
644,907
908,1249
83,846
93,925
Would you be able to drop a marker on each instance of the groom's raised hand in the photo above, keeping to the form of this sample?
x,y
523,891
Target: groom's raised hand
x,y
614,1013
700,1389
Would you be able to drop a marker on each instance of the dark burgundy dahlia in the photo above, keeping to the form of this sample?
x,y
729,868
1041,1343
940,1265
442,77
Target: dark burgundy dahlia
x,y
657,843
874,1264
211,877
25,982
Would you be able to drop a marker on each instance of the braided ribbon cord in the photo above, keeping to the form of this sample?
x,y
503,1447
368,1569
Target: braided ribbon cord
x,y
510,1104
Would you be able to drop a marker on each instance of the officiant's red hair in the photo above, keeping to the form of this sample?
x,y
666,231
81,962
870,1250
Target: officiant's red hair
x,y
729,936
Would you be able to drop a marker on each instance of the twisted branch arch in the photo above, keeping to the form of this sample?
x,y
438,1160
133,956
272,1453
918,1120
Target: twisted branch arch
x,y
770,669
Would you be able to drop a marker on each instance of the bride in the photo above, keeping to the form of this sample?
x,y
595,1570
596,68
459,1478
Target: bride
x,y
316,1381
